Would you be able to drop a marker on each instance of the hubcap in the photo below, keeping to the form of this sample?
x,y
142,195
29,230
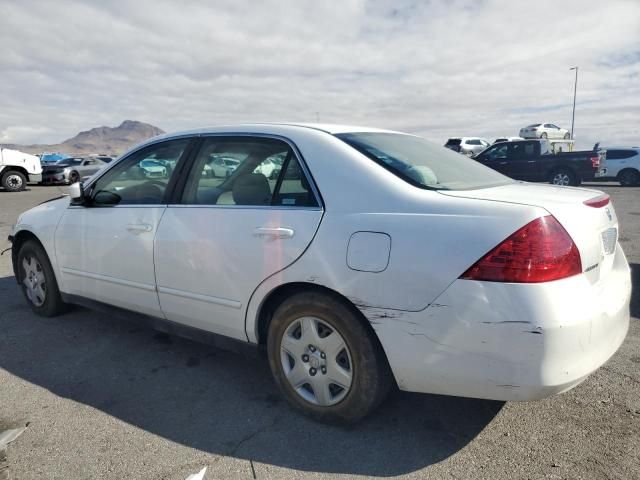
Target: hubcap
x,y
34,281
15,181
561,179
316,361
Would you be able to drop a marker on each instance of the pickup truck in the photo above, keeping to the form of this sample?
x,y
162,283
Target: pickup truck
x,y
534,161
17,169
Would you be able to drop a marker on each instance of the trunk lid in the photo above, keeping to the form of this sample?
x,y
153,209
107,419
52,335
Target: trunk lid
x,y
593,229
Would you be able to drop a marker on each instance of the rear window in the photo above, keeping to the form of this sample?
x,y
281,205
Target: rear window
x,y
422,163
454,141
534,125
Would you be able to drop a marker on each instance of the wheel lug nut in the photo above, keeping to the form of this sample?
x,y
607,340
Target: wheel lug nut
x,y
323,355
324,370
305,358
312,348
312,371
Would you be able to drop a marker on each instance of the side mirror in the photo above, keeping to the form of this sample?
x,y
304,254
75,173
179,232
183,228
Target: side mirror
x,y
76,192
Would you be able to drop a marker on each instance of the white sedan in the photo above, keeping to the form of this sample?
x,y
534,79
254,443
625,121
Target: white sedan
x,y
544,130
375,260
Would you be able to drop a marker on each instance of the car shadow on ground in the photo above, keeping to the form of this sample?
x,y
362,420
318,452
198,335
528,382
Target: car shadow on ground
x,y
221,402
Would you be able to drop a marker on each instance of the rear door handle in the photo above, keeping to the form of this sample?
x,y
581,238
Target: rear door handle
x,y
139,227
276,232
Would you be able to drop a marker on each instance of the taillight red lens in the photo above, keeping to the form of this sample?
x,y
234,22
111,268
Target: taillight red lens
x,y
595,161
541,251
597,202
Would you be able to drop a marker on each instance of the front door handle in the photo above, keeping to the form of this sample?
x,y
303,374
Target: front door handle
x,y
274,233
139,227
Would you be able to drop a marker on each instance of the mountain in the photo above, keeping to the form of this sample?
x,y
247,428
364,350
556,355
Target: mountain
x,y
107,140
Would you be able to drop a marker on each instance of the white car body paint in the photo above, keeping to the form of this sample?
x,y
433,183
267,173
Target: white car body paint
x,y
441,334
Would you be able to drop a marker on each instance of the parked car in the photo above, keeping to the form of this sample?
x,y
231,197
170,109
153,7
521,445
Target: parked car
x,y
507,139
544,130
153,169
385,261
17,169
71,170
270,168
467,145
623,165
534,161
218,166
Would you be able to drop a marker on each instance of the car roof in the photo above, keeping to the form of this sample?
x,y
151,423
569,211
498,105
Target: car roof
x,y
282,129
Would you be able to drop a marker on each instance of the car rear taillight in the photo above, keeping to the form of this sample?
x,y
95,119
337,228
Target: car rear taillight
x,y
597,202
541,251
595,161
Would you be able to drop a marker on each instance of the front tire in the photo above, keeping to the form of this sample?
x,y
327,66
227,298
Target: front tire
x,y
567,136
543,135
14,181
73,177
324,360
37,280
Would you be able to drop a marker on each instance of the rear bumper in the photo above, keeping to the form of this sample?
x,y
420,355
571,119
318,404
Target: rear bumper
x,y
508,341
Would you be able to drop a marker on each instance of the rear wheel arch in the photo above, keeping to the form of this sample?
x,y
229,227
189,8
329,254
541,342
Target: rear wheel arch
x,y
279,294
629,173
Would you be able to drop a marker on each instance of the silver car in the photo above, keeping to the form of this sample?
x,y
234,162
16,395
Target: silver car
x,y
467,145
70,170
544,130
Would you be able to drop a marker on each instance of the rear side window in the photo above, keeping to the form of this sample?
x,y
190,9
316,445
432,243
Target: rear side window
x,y
453,142
422,163
620,154
248,171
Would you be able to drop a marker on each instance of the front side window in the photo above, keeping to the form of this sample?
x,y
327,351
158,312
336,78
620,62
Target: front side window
x,y
249,171
422,163
142,178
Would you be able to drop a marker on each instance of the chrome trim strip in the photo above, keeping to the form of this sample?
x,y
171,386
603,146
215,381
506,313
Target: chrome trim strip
x,y
108,279
202,298
245,207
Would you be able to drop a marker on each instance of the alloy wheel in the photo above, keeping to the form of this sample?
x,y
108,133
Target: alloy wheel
x,y
316,361
561,178
34,281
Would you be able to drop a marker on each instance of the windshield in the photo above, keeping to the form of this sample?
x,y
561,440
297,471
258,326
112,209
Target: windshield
x,y
534,125
423,163
150,163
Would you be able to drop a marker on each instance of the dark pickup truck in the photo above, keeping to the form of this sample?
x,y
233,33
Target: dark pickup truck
x,y
534,161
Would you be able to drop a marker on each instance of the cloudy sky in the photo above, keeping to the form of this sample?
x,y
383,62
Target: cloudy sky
x,y
435,68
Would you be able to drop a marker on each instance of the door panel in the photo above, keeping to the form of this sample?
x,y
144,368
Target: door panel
x,y
209,260
106,254
230,233
105,247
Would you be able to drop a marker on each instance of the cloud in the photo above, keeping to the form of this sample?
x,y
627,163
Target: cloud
x,y
433,68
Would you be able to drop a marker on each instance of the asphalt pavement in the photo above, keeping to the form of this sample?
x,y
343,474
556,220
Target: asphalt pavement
x,y
104,399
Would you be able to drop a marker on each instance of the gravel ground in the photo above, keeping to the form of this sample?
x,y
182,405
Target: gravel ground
x,y
110,400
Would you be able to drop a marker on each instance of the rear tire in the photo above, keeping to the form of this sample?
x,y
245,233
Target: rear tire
x,y
37,280
567,136
543,135
315,339
629,178
13,181
563,177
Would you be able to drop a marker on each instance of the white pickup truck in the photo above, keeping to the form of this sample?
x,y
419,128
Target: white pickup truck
x,y
17,169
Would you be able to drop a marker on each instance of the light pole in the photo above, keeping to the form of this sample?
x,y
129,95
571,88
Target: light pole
x,y
575,88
